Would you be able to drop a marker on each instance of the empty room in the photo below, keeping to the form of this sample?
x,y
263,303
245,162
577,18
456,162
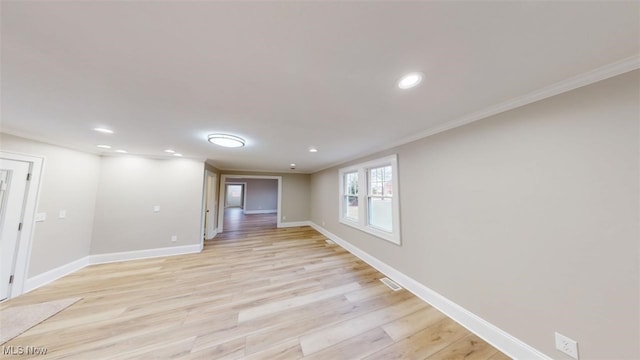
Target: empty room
x,y
320,180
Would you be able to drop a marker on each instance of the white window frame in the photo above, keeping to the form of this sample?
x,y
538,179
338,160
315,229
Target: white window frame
x,y
363,198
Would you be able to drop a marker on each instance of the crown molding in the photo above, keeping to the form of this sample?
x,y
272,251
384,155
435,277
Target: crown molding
x,y
584,79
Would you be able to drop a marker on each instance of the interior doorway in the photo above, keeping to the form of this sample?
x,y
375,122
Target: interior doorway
x,y
249,202
234,195
19,183
211,205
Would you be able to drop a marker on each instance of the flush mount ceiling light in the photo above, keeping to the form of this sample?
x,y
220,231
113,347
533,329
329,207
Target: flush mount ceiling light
x,y
103,130
313,150
170,151
226,140
104,146
121,151
178,155
410,80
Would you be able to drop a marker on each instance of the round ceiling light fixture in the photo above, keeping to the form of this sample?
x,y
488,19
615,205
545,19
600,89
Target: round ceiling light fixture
x,y
410,80
226,140
103,130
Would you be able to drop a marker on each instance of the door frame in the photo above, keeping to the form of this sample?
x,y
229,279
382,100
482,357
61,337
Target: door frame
x,y
244,193
25,240
223,190
210,192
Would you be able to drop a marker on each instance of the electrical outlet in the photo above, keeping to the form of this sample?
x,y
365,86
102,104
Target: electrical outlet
x,y
156,208
284,217
62,214
567,346
174,238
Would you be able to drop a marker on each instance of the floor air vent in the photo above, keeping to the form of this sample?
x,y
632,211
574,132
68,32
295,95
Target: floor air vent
x,y
391,284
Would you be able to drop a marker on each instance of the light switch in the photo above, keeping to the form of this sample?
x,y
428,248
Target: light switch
x,y
156,208
62,214
40,217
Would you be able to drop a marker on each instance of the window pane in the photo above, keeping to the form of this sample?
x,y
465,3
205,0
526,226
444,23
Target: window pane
x,y
380,181
351,183
351,207
380,213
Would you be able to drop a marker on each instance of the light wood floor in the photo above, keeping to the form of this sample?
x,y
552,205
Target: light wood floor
x,y
271,294
236,220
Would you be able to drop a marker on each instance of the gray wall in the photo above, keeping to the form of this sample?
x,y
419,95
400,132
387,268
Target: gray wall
x,y
69,182
528,219
295,193
261,194
129,189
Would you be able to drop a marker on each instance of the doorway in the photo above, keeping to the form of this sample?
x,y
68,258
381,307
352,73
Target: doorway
x,y
19,181
234,195
210,218
249,202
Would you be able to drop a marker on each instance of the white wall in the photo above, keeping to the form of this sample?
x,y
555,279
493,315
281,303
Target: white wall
x,y
69,182
528,219
129,189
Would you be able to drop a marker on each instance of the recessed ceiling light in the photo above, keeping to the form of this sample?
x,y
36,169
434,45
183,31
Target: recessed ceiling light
x,y
104,146
121,151
226,140
313,150
169,151
103,130
410,80
176,154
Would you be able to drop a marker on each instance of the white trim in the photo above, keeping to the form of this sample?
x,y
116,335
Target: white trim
x,y
143,254
45,278
205,198
584,79
249,212
495,336
294,224
25,240
222,197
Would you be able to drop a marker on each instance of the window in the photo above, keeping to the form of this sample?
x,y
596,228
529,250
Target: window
x,y
380,198
374,210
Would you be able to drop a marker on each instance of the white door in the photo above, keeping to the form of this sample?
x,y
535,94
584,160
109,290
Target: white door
x,y
13,187
210,216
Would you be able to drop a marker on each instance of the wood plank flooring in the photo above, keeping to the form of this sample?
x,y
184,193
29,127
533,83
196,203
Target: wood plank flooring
x,y
236,220
265,294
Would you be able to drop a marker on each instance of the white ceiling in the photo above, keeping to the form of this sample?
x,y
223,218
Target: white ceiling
x,y
286,75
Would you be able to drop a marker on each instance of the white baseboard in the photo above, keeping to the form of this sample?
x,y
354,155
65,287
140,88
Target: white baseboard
x,y
294,224
495,336
143,254
249,212
39,280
